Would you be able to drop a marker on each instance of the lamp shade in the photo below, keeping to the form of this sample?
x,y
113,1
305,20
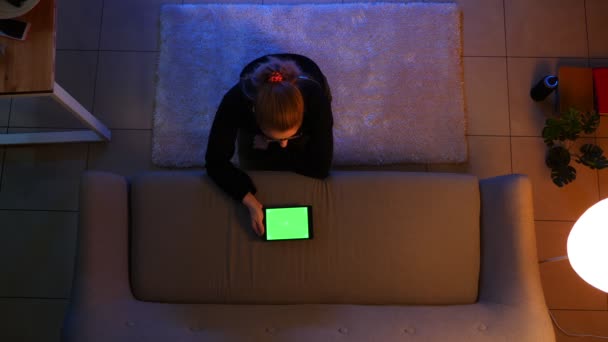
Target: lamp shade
x,y
588,246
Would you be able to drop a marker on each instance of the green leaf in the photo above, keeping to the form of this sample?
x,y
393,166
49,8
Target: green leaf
x,y
567,126
551,133
593,157
590,121
563,175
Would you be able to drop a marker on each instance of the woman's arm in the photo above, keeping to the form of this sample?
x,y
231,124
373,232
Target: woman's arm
x,y
220,148
255,212
236,183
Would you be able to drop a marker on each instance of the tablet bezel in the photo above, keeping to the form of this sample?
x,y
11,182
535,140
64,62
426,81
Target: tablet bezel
x,y
310,227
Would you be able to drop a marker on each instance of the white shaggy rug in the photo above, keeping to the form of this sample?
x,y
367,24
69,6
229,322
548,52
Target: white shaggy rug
x,y
395,71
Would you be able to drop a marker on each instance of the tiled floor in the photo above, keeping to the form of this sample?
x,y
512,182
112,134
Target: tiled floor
x,y
106,57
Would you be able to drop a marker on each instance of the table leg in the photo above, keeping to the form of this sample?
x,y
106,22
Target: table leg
x,y
98,133
80,112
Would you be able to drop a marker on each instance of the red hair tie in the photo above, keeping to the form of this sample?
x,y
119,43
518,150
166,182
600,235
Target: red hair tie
x,y
275,77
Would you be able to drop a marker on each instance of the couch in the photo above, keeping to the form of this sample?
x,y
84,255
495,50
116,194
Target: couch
x,y
396,256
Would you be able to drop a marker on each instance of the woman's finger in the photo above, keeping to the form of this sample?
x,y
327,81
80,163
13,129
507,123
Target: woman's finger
x,y
261,227
257,228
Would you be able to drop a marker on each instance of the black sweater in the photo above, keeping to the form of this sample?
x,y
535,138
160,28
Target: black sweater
x,y
309,155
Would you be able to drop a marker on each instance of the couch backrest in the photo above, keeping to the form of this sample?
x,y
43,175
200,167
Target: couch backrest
x,y
380,238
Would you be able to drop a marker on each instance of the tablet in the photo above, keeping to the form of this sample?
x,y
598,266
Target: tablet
x,y
288,223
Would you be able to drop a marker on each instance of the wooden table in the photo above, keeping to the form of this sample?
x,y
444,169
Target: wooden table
x,y
27,68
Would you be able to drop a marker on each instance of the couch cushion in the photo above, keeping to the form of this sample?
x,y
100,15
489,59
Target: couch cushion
x,y
380,238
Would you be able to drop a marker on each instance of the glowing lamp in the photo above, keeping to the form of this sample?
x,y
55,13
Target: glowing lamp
x,y
588,246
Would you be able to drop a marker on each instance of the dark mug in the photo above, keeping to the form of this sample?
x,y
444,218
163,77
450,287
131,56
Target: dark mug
x,y
543,88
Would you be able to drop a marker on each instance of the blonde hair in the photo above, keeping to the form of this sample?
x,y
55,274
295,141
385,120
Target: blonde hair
x,y
278,103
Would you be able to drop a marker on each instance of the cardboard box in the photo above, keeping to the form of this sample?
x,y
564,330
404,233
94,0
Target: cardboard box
x,y
575,89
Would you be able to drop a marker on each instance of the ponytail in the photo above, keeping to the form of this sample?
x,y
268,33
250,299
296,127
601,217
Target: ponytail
x,y
278,102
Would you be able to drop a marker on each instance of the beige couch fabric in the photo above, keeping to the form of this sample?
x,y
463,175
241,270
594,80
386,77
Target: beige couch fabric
x,y
377,240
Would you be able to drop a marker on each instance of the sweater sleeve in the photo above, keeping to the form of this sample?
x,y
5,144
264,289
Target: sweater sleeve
x,y
315,161
221,146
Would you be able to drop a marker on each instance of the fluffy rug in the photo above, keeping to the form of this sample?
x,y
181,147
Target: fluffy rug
x,y
395,70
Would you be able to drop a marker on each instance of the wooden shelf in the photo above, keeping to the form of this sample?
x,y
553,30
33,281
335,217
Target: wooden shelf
x,y
27,68
29,65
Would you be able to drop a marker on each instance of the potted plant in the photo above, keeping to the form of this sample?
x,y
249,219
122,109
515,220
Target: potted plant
x,y
559,135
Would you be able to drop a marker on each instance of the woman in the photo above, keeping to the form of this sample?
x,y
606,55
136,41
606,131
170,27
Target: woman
x,y
281,113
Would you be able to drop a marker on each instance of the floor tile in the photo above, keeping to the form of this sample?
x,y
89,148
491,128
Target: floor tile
x,y
485,80
551,238
597,27
564,289
78,24
38,249
76,74
488,157
3,130
125,90
5,110
129,153
131,25
31,320
527,116
551,202
546,28
582,323
44,177
598,62
483,27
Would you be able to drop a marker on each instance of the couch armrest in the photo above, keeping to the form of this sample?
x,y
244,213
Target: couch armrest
x,y
509,267
101,272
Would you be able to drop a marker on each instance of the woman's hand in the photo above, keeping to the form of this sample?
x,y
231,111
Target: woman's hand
x,y
255,212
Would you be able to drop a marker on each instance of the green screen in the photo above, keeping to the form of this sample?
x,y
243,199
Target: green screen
x,y
287,223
